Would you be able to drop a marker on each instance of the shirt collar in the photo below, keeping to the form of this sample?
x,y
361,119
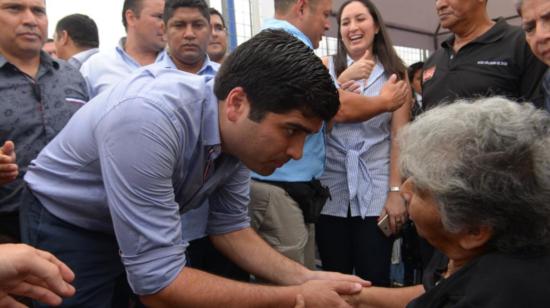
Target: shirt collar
x,y
274,23
83,55
209,68
45,60
495,33
120,50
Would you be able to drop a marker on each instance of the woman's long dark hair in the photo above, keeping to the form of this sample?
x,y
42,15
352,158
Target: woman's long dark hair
x,y
382,47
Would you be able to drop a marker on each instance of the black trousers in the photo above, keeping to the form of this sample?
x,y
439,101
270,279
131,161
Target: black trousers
x,y
354,245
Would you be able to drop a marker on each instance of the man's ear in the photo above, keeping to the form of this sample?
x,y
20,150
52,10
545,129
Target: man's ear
x,y
476,238
237,105
130,17
64,37
300,7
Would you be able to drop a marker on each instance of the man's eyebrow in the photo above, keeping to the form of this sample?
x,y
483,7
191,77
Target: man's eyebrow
x,y
299,127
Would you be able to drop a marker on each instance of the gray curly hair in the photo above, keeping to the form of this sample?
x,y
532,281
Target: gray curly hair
x,y
486,163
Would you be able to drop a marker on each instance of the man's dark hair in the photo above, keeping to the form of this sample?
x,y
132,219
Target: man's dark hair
x,y
172,5
80,28
413,68
133,5
279,74
213,11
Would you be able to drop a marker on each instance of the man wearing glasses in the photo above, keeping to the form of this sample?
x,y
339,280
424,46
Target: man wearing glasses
x,y
217,48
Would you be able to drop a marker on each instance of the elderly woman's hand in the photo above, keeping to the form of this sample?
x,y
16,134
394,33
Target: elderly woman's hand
x,y
396,210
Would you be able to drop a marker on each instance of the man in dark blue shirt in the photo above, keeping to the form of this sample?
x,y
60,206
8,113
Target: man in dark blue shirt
x,y
38,95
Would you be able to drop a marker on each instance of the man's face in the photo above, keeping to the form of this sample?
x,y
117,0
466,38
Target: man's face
x,y
536,24
218,40
23,27
188,34
268,144
453,13
316,20
275,140
148,25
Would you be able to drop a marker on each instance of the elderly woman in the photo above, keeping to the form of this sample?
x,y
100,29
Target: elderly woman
x,y
478,189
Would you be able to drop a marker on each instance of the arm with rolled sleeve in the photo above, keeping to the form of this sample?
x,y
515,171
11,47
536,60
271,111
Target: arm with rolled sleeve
x,y
139,147
229,205
138,150
229,229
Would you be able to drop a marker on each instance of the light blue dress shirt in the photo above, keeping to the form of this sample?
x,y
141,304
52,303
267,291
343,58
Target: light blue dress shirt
x,y
209,68
358,158
133,160
106,69
312,163
78,59
195,221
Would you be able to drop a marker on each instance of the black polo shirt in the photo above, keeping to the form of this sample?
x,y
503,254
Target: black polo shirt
x,y
499,62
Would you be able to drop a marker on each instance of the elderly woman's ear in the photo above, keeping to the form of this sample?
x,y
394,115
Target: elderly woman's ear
x,y
476,238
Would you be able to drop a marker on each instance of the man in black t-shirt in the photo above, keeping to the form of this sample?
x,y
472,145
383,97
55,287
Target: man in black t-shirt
x,y
482,58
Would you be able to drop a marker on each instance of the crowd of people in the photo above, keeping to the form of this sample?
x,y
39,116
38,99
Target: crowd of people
x,y
169,172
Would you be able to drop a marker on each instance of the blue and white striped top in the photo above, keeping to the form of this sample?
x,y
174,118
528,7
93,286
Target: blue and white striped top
x,y
357,163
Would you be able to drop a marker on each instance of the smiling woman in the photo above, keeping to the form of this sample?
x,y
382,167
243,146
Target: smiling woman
x,y
106,14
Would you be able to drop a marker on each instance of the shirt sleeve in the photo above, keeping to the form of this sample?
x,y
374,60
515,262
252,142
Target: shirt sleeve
x,y
138,149
229,205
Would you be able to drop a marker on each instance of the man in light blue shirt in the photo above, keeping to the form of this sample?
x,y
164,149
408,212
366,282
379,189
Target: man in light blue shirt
x,y
276,211
142,45
275,214
188,34
108,193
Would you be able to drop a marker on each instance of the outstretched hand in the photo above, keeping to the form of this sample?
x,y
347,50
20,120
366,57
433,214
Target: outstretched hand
x,y
26,271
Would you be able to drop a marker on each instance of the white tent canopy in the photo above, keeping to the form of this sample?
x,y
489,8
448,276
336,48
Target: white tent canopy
x,y
414,23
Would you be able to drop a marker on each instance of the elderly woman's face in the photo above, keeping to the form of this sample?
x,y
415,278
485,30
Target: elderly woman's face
x,y
424,212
